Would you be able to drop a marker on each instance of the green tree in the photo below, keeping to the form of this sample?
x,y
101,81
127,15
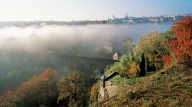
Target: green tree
x,y
155,45
71,88
142,66
15,77
128,66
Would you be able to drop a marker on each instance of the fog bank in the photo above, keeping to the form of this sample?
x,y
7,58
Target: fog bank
x,y
35,38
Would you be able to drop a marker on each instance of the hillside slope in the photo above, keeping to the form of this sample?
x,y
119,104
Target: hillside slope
x,y
172,87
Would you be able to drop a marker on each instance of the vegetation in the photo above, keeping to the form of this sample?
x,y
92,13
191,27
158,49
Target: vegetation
x,y
46,90
71,89
14,78
154,45
94,94
37,91
147,56
182,43
169,89
124,67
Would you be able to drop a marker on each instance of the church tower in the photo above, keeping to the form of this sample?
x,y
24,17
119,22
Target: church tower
x,y
113,17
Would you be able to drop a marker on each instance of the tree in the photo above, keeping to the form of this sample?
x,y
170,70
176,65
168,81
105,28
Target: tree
x,y
123,66
15,77
155,45
146,46
5,96
142,66
181,44
134,69
129,45
127,67
71,88
37,91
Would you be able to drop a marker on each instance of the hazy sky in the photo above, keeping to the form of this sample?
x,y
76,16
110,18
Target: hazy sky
x,y
68,10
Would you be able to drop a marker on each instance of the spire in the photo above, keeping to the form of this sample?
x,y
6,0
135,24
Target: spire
x,y
125,15
113,17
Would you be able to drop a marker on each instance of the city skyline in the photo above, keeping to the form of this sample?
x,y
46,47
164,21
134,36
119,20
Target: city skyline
x,y
69,10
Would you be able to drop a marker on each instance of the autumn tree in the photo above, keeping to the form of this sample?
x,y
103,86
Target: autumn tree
x,y
5,96
134,69
182,42
154,45
15,77
71,88
37,91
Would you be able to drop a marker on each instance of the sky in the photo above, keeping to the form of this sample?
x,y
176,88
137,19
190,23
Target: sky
x,y
69,10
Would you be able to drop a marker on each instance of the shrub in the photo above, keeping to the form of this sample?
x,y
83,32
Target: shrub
x,y
185,79
134,69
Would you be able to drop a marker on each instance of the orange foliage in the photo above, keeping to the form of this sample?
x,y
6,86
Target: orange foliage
x,y
34,91
9,93
167,60
134,68
49,74
182,44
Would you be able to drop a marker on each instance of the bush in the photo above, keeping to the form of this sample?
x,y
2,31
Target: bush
x,y
126,67
134,69
185,79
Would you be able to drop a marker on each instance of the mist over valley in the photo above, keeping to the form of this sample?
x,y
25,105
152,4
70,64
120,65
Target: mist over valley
x,y
21,45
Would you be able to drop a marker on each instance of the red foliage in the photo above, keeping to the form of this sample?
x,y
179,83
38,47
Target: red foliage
x,y
182,43
167,60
